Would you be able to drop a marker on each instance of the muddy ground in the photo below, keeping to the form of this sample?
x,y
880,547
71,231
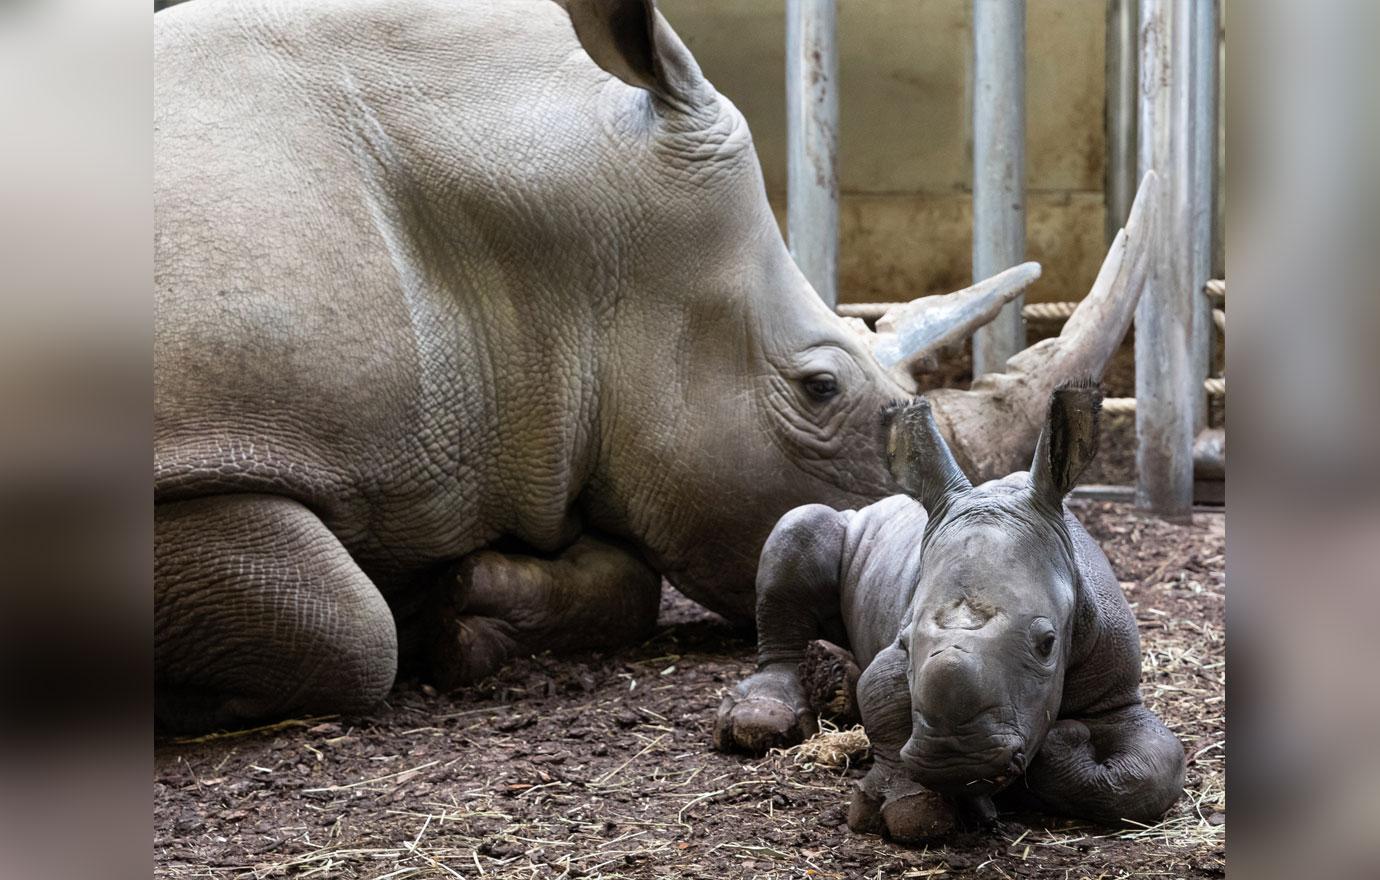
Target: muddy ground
x,y
600,766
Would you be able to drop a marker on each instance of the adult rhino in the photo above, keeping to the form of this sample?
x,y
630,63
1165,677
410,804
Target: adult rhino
x,y
463,343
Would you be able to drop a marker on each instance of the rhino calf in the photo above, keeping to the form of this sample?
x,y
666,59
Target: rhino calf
x,y
995,640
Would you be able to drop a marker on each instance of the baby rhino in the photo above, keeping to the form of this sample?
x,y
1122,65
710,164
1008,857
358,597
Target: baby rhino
x,y
996,644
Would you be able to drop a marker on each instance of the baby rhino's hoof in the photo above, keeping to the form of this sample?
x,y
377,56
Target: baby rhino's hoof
x,y
917,816
765,711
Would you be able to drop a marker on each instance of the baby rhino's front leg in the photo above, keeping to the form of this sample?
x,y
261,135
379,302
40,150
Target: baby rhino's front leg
x,y
888,801
797,601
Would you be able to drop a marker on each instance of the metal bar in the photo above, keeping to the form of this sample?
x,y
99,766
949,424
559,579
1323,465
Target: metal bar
x,y
1203,131
998,167
1165,364
1123,23
1219,195
812,113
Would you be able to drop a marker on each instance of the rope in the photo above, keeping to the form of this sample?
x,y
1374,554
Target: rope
x,y
1125,406
1050,311
1216,289
1047,311
1055,311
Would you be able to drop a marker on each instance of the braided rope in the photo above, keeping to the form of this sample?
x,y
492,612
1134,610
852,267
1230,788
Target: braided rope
x,y
1049,311
1125,406
1052,311
1118,406
1043,311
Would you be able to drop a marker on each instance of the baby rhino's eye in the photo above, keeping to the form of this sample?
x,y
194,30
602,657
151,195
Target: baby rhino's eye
x,y
1043,639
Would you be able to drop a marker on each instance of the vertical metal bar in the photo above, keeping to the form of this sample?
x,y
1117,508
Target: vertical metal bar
x,y
998,167
812,113
1219,198
1202,196
1123,23
1164,317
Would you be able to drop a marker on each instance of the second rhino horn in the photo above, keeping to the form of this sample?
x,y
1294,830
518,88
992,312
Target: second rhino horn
x,y
915,331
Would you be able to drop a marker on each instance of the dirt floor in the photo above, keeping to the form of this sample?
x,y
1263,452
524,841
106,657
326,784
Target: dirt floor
x,y
601,766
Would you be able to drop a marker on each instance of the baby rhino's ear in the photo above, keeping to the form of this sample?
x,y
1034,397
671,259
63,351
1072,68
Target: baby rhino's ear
x,y
1069,442
919,459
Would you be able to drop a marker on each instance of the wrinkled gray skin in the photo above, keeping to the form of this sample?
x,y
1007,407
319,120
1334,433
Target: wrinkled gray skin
x,y
461,344
996,641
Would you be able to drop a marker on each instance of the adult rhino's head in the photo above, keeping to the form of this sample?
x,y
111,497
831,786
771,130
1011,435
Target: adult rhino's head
x,y
737,394
989,628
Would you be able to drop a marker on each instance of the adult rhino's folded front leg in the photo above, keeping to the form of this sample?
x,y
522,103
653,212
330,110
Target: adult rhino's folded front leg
x,y
491,606
797,601
1125,766
260,611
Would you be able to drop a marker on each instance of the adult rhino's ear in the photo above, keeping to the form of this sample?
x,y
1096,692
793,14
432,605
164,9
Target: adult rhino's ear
x,y
630,39
1069,441
919,459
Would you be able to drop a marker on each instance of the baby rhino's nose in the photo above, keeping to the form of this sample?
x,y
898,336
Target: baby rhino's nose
x,y
950,692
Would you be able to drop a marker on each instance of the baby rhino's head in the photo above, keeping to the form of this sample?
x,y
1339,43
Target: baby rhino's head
x,y
989,628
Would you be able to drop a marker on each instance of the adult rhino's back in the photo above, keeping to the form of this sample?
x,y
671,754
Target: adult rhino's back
x,y
343,230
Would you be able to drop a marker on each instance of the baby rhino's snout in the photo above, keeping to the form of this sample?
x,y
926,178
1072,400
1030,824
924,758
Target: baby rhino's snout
x,y
951,689
958,743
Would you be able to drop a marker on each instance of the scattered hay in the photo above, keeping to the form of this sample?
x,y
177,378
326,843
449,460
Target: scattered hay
x,y
253,731
831,747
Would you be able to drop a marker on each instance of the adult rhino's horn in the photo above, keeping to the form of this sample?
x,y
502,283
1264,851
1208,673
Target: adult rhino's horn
x,y
914,332
992,428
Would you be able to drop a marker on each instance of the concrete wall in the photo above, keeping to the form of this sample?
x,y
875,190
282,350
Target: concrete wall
x,y
905,133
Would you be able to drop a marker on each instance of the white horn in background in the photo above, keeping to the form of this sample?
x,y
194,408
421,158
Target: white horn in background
x,y
914,332
992,428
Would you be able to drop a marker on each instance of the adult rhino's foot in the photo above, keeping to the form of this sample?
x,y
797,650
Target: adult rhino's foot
x,y
766,710
492,606
469,648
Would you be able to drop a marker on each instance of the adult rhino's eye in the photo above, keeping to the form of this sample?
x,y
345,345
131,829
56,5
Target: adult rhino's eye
x,y
821,386
1045,645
